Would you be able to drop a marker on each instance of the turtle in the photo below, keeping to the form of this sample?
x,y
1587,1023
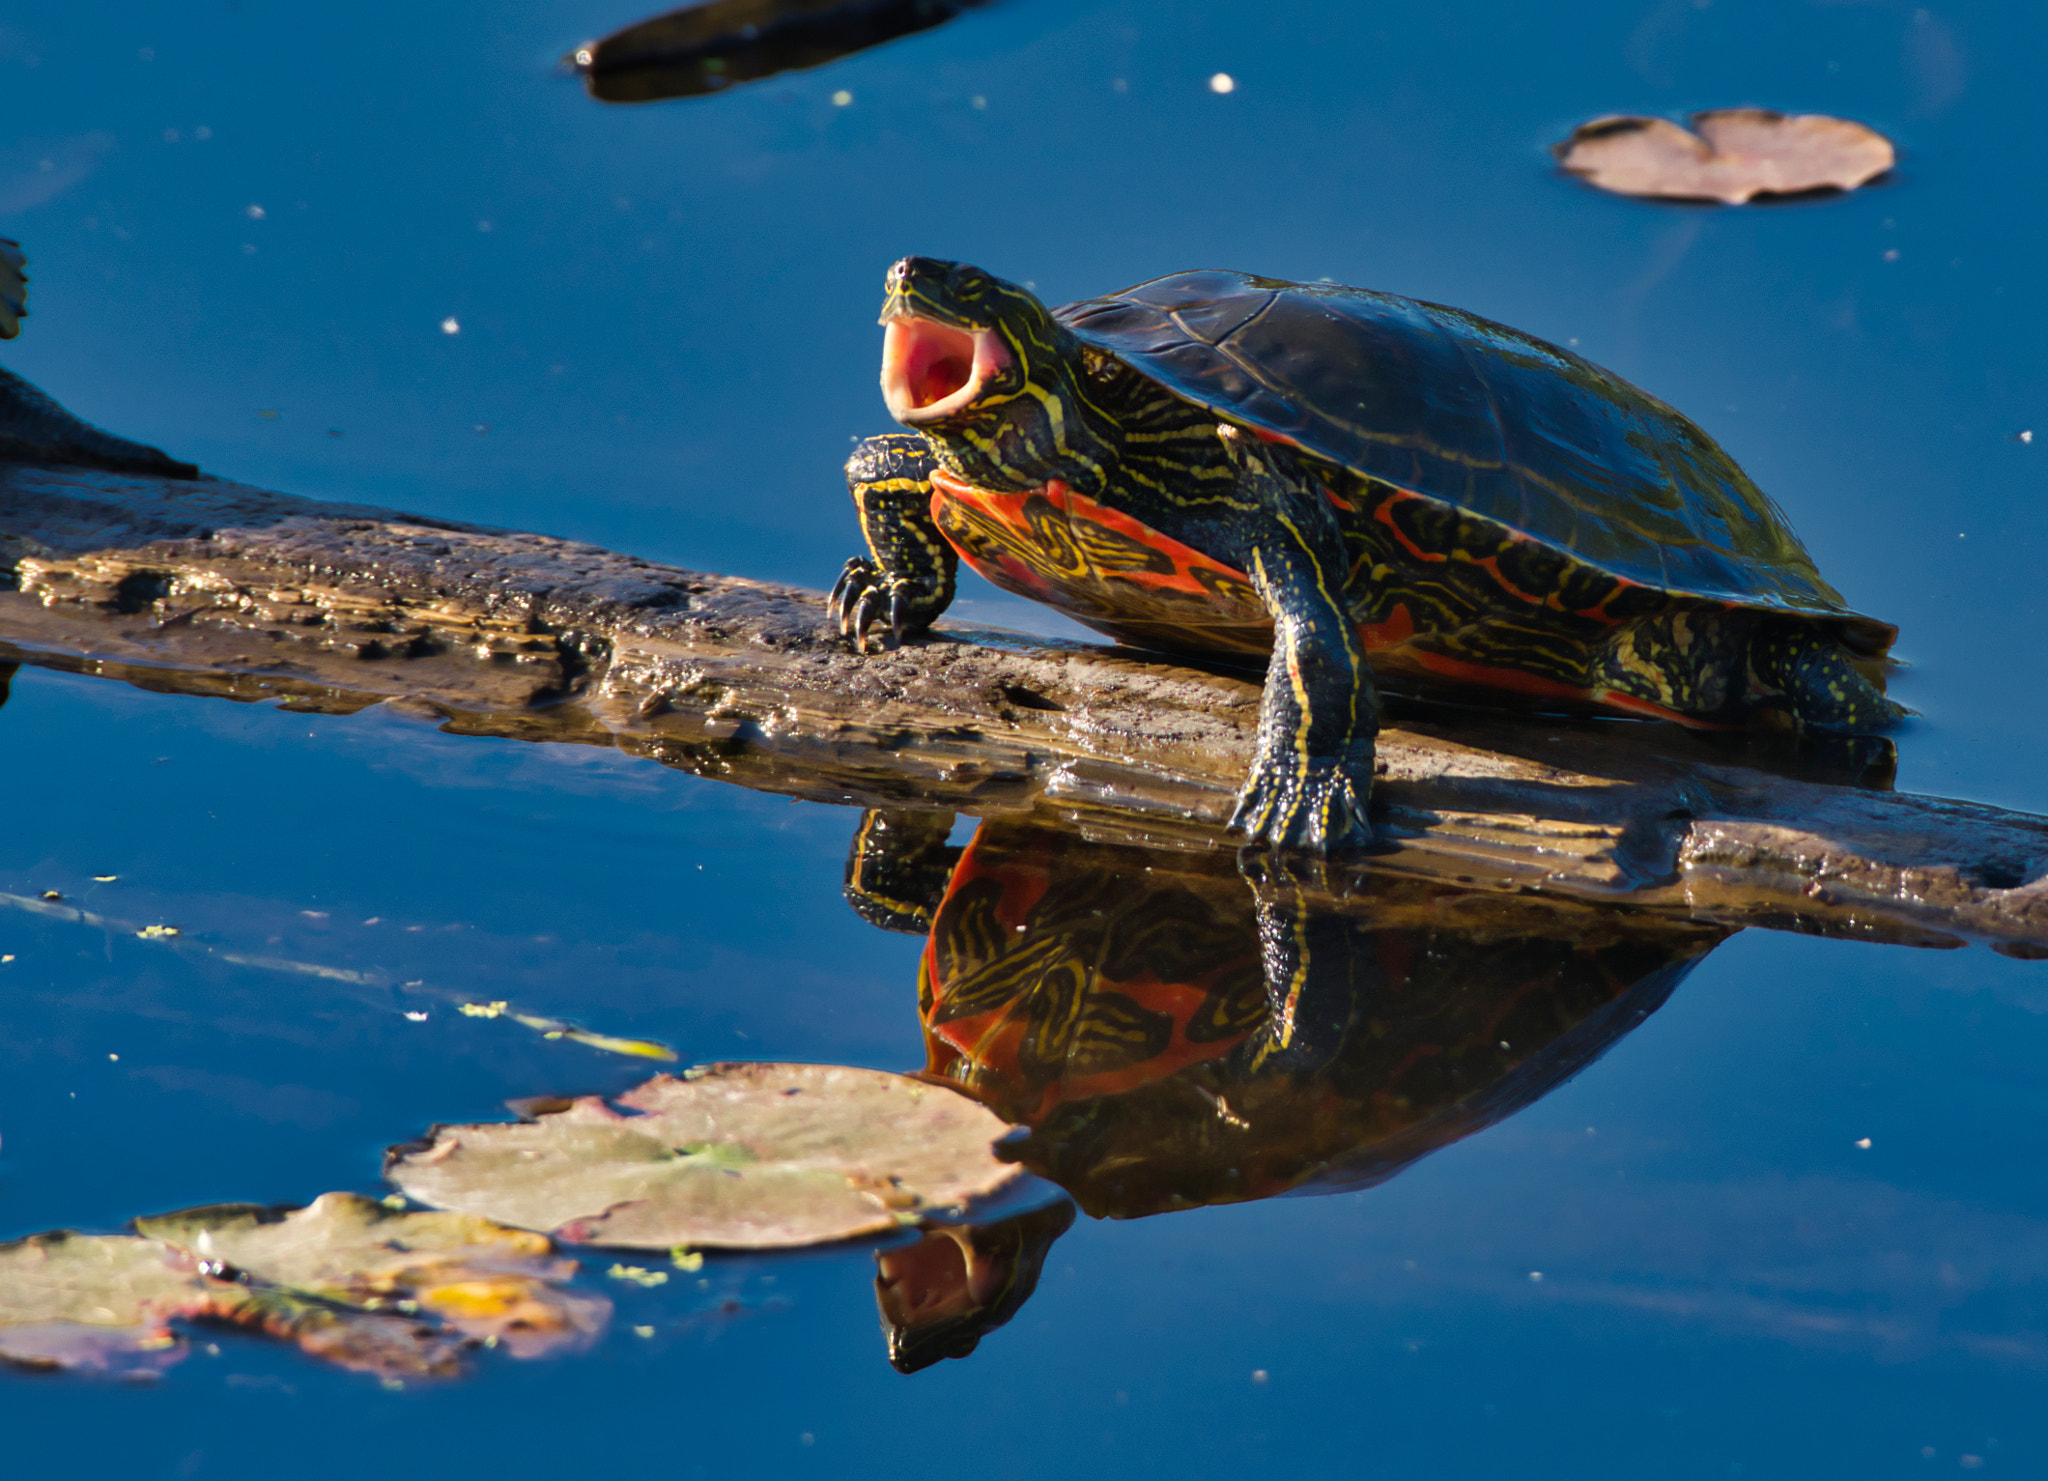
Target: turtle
x,y
1170,1031
1225,465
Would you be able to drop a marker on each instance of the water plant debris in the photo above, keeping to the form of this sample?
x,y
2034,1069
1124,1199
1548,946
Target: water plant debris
x,y
1733,155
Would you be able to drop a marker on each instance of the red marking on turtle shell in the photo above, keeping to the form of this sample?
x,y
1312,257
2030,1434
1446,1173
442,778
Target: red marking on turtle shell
x,y
1008,509
1339,500
1279,438
1397,629
1384,514
1491,677
1629,704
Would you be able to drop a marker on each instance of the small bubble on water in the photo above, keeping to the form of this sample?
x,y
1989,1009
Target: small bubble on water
x,y
1223,82
451,325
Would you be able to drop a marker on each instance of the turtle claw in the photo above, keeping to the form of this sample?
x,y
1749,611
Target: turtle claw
x,y
864,614
1318,809
849,576
864,596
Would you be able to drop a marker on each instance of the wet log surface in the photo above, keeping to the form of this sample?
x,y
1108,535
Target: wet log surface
x,y
214,588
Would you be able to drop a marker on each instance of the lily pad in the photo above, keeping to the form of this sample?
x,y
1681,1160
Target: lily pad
x,y
485,1281
346,1279
1731,155
97,1302
740,1156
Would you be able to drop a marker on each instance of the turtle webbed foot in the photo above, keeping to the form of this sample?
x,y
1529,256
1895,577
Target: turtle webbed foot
x,y
1317,807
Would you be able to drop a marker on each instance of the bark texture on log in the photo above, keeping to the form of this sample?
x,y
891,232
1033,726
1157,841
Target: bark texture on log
x,y
210,587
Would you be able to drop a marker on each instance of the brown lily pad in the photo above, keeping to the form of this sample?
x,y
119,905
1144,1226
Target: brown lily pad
x,y
741,1156
347,1280
485,1281
97,1302
1731,155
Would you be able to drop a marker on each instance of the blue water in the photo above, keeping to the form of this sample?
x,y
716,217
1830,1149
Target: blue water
x,y
666,333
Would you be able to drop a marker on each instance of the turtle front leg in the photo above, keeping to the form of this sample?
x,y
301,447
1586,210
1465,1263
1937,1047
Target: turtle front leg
x,y
906,579
898,866
1312,775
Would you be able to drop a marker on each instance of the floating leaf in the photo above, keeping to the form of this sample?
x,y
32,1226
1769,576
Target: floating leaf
x,y
346,1279
484,1280
96,1302
752,1156
1735,155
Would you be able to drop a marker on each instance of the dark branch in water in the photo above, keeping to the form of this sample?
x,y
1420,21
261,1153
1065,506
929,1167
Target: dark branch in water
x,y
707,48
208,587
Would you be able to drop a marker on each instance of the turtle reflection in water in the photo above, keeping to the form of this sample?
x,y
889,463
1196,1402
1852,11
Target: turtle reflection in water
x,y
1172,1033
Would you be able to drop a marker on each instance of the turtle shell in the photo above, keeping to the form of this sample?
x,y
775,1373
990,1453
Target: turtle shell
x,y
1457,408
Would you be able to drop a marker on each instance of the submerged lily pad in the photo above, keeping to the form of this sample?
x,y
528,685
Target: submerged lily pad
x,y
347,1280
1734,155
748,1156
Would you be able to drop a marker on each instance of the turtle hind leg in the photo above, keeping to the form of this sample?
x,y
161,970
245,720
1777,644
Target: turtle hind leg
x,y
1689,666
1805,674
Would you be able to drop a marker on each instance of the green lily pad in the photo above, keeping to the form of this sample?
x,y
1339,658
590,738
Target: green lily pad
x,y
739,1156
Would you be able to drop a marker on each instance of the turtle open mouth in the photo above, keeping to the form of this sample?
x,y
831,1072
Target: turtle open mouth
x,y
932,370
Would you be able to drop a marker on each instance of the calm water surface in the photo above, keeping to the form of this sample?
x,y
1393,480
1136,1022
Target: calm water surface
x,y
248,224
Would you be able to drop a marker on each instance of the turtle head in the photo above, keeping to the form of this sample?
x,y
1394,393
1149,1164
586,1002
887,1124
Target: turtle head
x,y
981,367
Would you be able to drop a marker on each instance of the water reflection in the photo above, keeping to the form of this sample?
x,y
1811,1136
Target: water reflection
x,y
1175,1030
940,1296
707,48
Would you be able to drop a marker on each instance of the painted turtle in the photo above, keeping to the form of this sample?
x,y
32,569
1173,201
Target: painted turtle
x,y
1171,1037
1224,464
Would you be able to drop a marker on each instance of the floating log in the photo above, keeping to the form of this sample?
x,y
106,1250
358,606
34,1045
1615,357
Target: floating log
x,y
202,586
